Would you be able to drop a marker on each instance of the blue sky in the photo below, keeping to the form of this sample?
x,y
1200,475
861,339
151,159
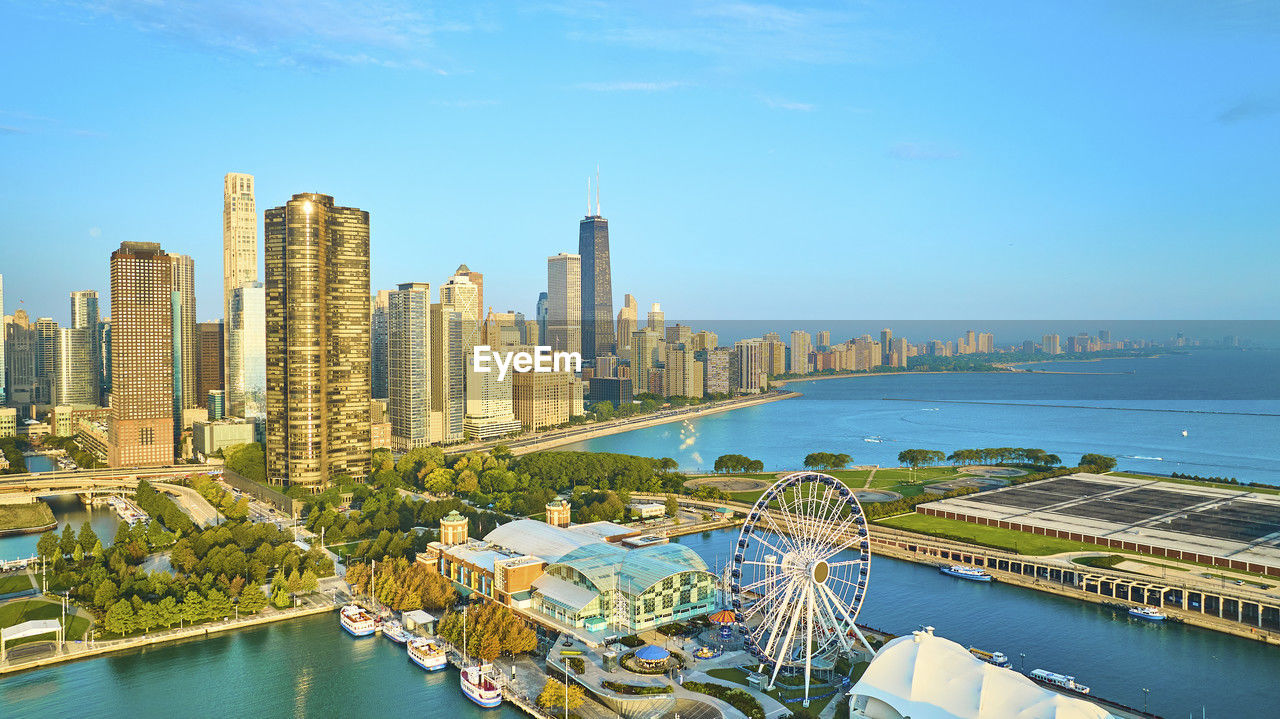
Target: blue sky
x,y
838,160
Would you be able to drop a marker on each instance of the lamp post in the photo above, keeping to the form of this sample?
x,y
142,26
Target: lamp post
x,y
1145,694
1023,657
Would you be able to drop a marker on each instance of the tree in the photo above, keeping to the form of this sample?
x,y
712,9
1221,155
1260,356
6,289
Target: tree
x,y
1098,462
119,619
553,695
193,609
78,554
106,594
47,545
252,600
67,544
673,506
309,582
218,605
167,612
88,538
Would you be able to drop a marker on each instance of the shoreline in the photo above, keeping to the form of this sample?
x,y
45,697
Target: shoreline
x,y
906,373
588,432
200,631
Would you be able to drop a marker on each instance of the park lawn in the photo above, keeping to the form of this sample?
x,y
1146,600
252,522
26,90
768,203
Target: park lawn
x,y
784,694
924,474
25,516
25,610
19,582
1007,539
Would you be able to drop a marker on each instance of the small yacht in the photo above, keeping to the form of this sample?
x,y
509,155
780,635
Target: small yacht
x,y
973,574
1058,680
997,658
392,629
1151,614
480,687
427,653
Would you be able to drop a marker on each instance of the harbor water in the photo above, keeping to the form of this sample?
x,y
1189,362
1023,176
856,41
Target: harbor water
x,y
67,509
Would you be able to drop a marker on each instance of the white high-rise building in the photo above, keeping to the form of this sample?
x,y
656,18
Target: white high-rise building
x,y
801,346
490,413
447,374
75,376
186,349
247,352
409,365
564,302
85,316
657,319
239,251
459,294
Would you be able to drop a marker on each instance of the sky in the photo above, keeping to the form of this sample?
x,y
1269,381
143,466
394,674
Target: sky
x,y
930,160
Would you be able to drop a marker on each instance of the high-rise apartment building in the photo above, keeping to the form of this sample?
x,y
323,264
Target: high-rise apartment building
x,y
75,377
886,345
21,348
408,319
46,358
747,371
627,318
104,342
1052,344
775,354
715,370
824,339
379,329
801,346
448,375
239,243
141,431
247,353
317,310
459,294
477,279
540,315
679,334
644,353
490,413
657,320
210,363
683,374
703,340
186,350
85,316
596,286
564,302
540,399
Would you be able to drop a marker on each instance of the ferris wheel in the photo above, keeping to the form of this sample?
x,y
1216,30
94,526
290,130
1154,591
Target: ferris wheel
x,y
799,575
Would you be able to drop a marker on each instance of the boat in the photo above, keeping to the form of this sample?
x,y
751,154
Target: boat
x,y
394,630
1184,433
876,440
357,621
427,653
480,687
1152,614
996,658
1058,680
973,574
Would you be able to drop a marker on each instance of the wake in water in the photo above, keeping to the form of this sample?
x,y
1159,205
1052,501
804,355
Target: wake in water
x,y
1138,456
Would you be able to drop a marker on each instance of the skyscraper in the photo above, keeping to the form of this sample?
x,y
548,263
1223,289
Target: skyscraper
x,y
317,310
886,345
247,352
540,316
46,358
142,320
104,342
627,317
477,279
564,302
596,284
378,331
408,319
239,242
657,319
75,378
85,316
459,294
644,351
747,371
20,360
447,374
186,348
801,346
210,369
4,393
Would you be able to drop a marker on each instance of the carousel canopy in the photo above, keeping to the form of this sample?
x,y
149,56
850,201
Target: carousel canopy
x,y
724,616
650,653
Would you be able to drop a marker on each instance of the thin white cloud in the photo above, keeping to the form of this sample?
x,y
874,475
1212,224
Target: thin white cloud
x,y
779,104
466,104
630,86
304,33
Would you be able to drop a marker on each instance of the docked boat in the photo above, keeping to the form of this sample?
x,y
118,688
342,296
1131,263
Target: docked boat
x,y
1058,680
996,658
1151,614
394,630
480,687
427,653
973,574
357,621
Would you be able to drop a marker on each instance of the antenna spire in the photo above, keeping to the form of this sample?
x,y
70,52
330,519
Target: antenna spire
x,y
598,191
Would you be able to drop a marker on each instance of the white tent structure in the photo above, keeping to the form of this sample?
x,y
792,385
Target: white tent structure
x,y
927,677
33,628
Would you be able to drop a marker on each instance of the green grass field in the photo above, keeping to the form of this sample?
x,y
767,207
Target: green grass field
x,y
24,610
895,479
783,693
11,583
994,537
25,516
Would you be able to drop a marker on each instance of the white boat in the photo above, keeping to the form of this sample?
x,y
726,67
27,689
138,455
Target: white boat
x,y
1149,613
357,621
1058,680
480,687
394,630
973,574
1184,433
427,653
996,658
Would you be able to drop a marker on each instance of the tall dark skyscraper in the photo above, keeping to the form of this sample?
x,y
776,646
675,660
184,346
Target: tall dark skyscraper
x,y
597,283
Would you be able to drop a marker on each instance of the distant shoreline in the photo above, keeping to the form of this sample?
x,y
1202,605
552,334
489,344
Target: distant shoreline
x,y
908,373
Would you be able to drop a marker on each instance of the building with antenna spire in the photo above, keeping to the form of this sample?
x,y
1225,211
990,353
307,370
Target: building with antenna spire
x,y
597,282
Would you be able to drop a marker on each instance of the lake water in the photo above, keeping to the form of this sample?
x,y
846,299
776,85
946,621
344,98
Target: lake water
x,y
1226,401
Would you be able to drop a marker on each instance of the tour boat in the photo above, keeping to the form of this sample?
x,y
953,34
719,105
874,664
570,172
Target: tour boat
x,y
480,687
1058,680
357,621
973,574
1149,613
427,654
1184,433
394,630
996,658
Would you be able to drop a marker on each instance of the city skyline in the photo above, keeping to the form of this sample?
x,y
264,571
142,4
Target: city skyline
x,y
833,123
